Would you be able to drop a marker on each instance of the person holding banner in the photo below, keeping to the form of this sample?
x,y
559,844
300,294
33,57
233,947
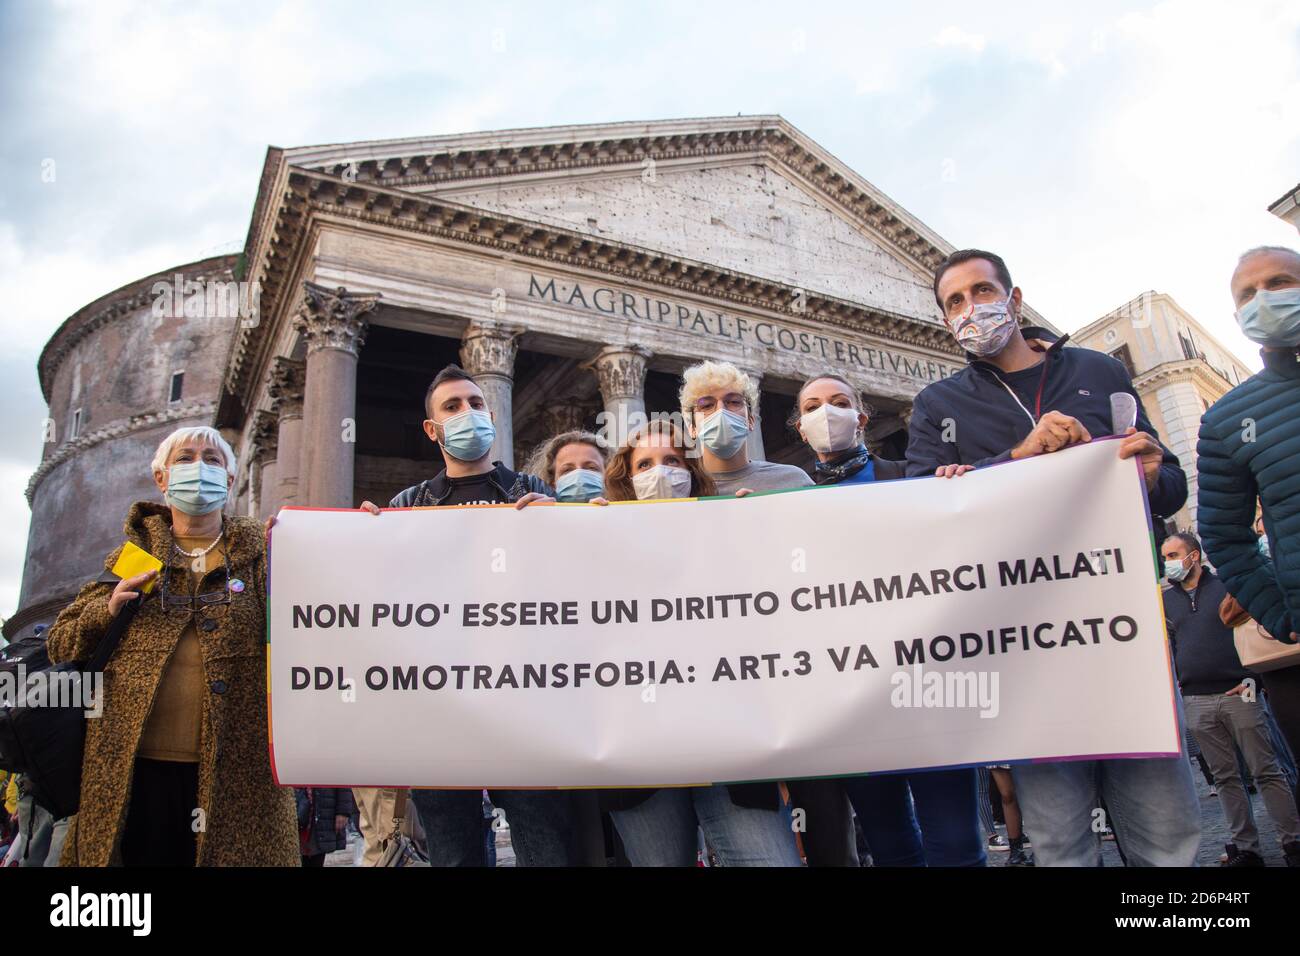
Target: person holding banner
x,y
1249,446
718,403
1024,394
741,822
929,818
573,463
461,425
177,769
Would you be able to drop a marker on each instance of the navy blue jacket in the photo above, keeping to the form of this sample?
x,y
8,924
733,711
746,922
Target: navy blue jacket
x,y
1205,655
1250,446
988,422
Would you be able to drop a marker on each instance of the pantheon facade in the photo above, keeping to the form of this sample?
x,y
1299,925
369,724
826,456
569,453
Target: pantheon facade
x,y
574,270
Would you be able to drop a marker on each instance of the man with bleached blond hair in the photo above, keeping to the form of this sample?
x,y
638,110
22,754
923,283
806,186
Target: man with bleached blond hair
x,y
720,406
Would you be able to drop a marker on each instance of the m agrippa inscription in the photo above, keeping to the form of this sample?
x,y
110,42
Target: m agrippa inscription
x,y
775,336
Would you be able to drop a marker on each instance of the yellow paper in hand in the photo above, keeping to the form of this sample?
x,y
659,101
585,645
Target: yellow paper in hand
x,y
133,561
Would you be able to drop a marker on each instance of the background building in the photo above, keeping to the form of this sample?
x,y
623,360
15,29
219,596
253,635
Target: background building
x,y
1287,208
118,377
1178,368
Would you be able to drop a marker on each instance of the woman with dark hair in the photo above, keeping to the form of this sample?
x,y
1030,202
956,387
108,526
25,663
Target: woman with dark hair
x,y
929,818
742,823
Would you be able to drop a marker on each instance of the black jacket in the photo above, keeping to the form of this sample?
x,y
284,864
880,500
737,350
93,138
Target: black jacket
x,y
433,491
318,806
1205,655
984,422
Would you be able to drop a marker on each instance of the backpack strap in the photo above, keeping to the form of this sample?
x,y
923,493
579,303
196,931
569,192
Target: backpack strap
x,y
399,811
116,631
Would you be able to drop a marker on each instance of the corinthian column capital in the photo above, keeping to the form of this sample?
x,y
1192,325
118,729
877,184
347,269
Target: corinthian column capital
x,y
490,349
334,318
620,370
286,382
266,437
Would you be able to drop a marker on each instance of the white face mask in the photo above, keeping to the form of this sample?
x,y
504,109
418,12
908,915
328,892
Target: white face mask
x,y
829,428
662,481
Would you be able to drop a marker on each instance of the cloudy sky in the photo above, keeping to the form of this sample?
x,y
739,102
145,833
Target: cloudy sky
x,y
1104,148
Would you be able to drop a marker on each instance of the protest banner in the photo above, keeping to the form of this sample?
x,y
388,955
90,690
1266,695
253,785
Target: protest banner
x,y
1011,614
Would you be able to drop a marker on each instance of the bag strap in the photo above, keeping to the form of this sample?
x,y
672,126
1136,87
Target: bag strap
x,y
113,637
399,810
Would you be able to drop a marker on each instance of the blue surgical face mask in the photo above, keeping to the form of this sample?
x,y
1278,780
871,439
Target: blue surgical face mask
x,y
581,484
724,432
196,487
1263,546
1176,570
469,435
1272,318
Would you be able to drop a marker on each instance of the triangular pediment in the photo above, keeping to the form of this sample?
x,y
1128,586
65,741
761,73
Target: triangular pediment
x,y
749,194
750,218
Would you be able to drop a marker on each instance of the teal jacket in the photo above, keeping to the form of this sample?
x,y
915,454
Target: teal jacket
x,y
1250,446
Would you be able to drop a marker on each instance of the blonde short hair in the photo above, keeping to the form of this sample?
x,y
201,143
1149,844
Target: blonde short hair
x,y
203,435
708,375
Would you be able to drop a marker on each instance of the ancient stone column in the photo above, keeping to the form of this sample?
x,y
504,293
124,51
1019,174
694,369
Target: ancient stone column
x,y
266,437
883,424
754,444
620,371
286,389
564,415
488,353
333,323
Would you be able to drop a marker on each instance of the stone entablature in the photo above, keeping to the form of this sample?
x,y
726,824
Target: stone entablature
x,y
1208,383
569,150
319,199
411,186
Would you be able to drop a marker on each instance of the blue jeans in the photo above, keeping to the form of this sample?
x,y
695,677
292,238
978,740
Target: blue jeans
x,y
944,830
1152,802
662,830
1285,759
453,825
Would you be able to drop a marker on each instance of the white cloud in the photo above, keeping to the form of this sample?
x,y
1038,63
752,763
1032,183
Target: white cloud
x,y
956,36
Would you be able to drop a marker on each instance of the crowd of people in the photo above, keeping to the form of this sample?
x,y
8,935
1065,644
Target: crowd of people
x,y
177,771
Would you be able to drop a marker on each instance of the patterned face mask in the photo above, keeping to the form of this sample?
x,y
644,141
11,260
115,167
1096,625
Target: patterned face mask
x,y
985,328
